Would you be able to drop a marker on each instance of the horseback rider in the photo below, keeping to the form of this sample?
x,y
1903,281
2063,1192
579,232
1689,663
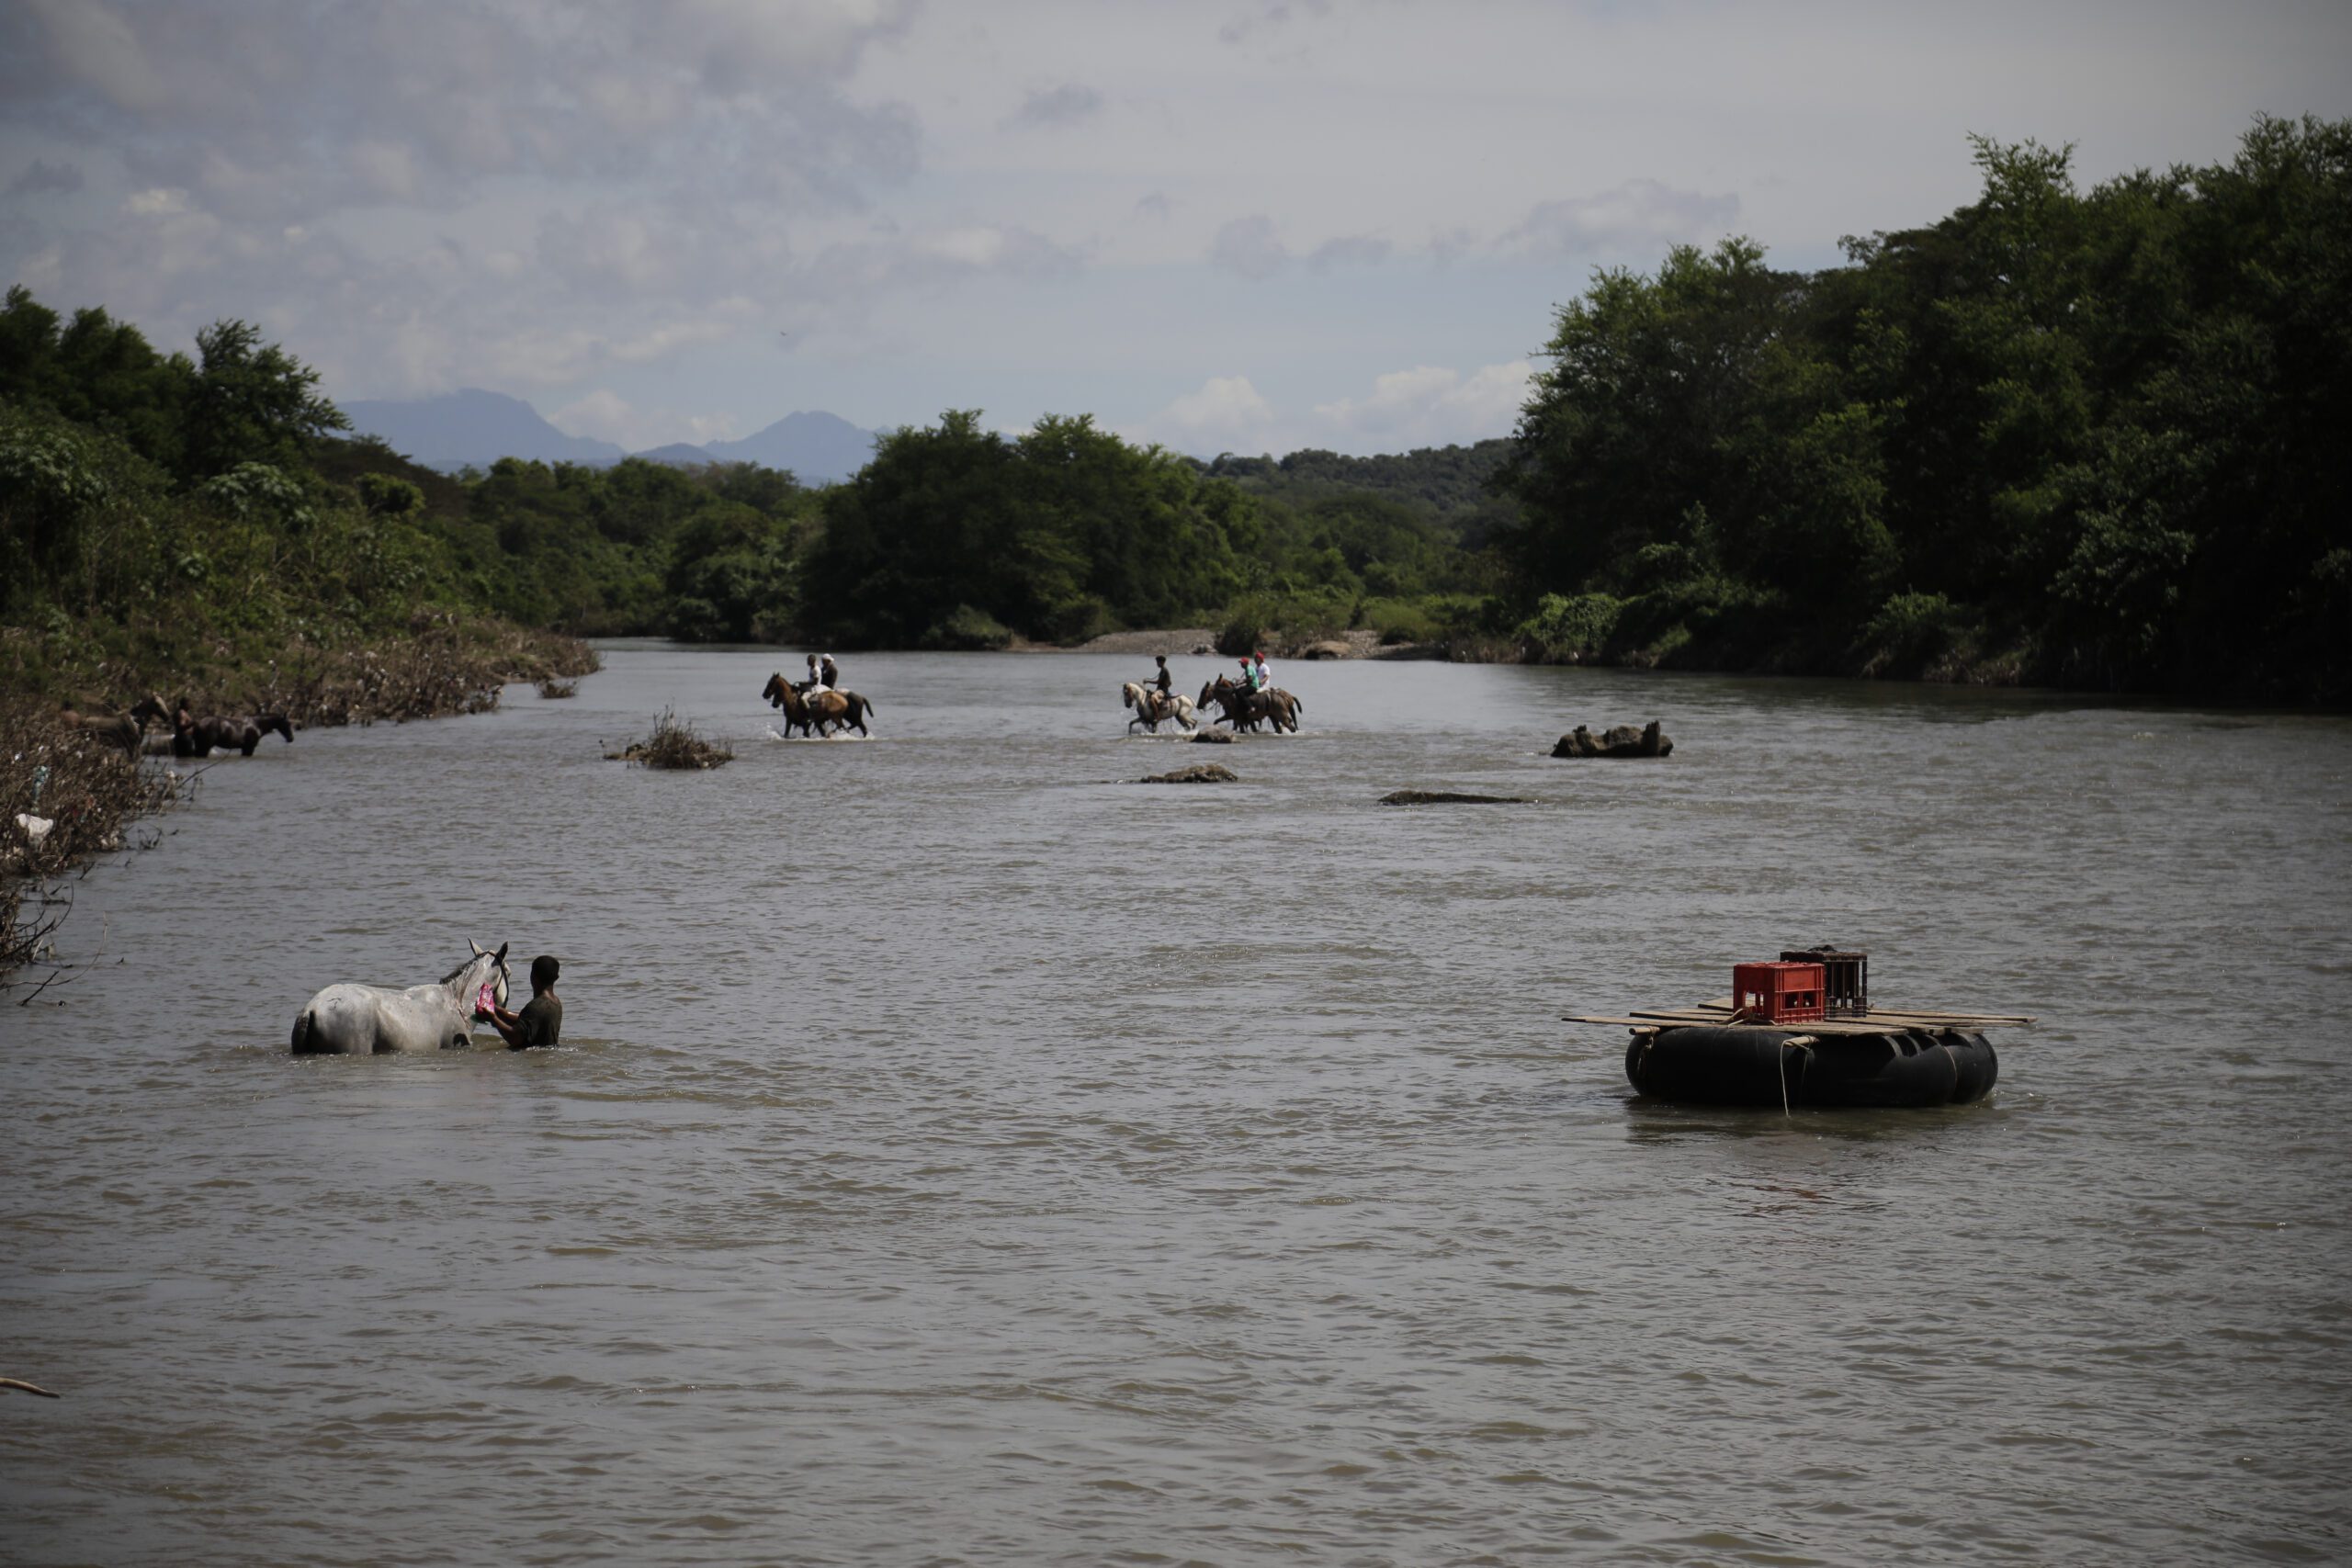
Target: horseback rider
x,y
829,673
1260,678
816,678
1249,682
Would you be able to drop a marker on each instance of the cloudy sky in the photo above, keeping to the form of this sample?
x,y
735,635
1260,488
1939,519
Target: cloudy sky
x,y
1243,225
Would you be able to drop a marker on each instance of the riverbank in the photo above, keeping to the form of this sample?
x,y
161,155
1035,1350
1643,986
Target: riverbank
x,y
68,796
438,663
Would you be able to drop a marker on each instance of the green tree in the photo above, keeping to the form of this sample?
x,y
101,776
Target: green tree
x,y
252,402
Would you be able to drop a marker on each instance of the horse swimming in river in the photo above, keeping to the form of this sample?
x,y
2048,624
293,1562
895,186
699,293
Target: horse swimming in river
x,y
1151,707
356,1020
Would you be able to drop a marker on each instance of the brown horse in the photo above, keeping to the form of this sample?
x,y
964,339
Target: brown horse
x,y
1246,709
781,693
122,729
241,733
841,708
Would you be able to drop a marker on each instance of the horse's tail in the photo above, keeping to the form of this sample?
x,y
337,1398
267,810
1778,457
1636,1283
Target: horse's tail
x,y
869,707
303,1029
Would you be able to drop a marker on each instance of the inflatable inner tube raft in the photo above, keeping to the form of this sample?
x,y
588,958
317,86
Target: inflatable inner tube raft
x,y
1751,1067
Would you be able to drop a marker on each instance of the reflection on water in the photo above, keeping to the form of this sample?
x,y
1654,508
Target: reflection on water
x,y
960,1152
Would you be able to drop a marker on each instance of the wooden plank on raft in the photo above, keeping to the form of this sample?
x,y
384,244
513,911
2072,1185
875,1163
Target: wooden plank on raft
x,y
1899,1017
1653,1020
1646,1018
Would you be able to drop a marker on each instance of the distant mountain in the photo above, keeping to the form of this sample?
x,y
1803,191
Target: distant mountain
x,y
472,427
819,449
678,455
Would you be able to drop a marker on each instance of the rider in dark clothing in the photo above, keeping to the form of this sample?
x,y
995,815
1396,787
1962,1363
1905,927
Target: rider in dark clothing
x,y
832,674
1163,680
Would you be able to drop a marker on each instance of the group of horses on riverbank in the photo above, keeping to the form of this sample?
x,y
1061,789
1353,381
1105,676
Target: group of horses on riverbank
x,y
816,710
191,736
1243,709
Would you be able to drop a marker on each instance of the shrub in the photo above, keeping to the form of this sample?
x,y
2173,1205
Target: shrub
x,y
1910,634
675,744
1400,621
1285,620
1246,625
966,629
1564,629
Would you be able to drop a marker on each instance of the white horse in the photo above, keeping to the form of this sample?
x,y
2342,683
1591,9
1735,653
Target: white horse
x,y
353,1019
1152,707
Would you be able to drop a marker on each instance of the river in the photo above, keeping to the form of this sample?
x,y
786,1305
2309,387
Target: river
x,y
961,1153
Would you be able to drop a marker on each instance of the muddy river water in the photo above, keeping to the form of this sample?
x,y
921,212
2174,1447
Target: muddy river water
x,y
958,1152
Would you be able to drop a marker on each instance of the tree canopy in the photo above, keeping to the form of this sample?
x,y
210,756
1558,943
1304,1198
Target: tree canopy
x,y
2082,437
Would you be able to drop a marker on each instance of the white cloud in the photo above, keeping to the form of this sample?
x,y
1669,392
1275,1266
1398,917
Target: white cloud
x,y
1430,406
1637,218
1426,406
1227,414
607,416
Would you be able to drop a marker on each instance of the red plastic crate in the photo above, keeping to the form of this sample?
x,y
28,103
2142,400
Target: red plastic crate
x,y
1778,993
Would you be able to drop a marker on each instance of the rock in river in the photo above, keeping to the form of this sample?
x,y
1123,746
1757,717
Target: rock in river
x,y
1624,740
1449,797
1199,772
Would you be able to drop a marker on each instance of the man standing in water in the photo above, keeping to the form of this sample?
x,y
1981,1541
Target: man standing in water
x,y
541,1018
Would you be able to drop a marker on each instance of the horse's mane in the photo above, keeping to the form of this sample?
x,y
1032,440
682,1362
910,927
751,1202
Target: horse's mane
x,y
468,964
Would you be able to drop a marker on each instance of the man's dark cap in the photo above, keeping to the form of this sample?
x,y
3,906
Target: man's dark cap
x,y
543,969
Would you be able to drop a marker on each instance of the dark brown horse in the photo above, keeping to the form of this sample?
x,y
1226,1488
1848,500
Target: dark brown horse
x,y
1246,709
241,733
